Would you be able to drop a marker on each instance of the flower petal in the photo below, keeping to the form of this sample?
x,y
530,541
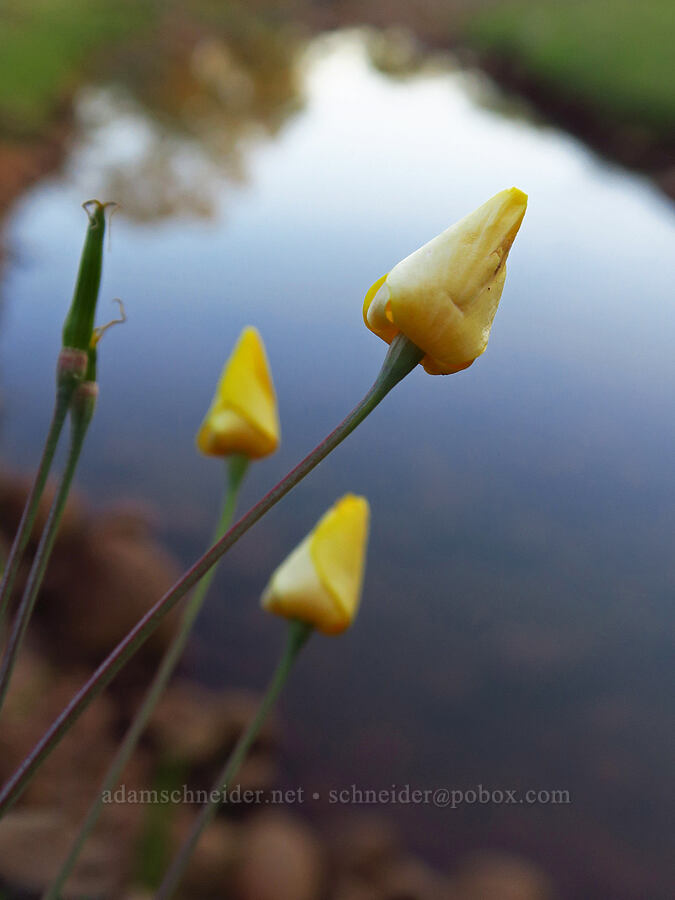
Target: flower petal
x,y
338,548
243,416
320,581
295,591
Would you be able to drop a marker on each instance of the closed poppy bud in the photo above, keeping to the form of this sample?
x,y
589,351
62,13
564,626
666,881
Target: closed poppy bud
x,y
320,582
243,415
444,296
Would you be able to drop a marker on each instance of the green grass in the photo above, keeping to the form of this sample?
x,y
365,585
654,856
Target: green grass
x,y
44,46
49,47
615,55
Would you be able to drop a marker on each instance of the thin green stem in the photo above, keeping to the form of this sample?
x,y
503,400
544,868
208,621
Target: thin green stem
x,y
64,395
77,332
401,359
236,471
79,426
71,367
298,633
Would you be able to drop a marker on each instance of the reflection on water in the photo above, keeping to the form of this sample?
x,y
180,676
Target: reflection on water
x,y
159,145
514,626
155,173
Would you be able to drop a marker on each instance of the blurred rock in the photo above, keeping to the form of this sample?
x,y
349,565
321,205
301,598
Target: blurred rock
x,y
71,777
410,879
99,585
280,859
363,845
210,869
105,572
187,723
497,876
37,695
98,872
198,728
14,490
130,518
355,889
31,679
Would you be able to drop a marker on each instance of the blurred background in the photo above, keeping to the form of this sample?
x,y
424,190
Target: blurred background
x,y
272,161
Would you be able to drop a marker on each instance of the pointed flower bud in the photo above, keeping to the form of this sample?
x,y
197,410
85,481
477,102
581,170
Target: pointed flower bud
x,y
243,416
320,582
79,325
444,296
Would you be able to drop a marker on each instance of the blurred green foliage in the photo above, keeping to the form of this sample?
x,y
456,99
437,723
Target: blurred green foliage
x,y
44,46
616,55
49,47
613,55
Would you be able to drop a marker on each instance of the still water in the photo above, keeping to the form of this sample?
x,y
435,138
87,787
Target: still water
x,y
515,627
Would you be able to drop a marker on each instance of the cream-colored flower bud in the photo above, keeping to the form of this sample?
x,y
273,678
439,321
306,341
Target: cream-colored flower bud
x,y
444,296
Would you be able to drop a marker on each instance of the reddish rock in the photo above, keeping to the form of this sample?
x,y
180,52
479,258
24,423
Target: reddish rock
x,y
280,859
210,869
355,889
497,876
198,728
71,776
14,489
362,845
99,586
98,872
410,879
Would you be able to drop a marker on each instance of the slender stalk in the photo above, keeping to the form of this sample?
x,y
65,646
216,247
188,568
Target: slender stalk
x,y
77,332
298,633
236,472
64,394
401,359
81,413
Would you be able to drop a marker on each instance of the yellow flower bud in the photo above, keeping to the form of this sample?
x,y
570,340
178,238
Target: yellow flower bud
x,y
243,415
444,296
320,582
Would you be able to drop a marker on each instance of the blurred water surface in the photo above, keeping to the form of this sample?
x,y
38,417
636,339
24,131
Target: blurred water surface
x,y
515,628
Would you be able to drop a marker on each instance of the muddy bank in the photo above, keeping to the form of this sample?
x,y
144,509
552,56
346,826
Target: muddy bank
x,y
631,142
632,145
21,165
24,163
